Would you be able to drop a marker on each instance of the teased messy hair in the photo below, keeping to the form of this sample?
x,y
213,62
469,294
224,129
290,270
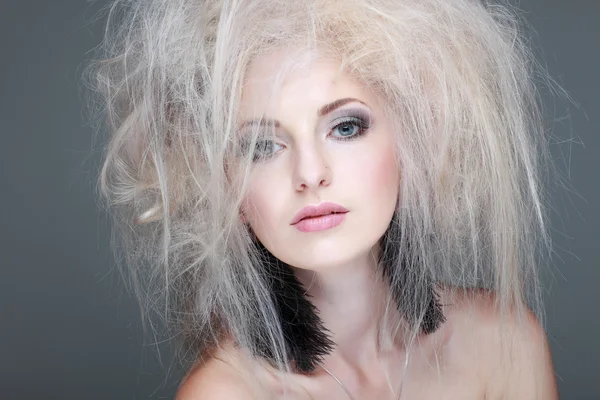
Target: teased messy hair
x,y
458,81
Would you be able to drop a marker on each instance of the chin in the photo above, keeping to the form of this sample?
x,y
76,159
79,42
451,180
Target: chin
x,y
331,257
320,264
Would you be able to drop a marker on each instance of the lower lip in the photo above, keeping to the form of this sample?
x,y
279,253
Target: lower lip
x,y
321,223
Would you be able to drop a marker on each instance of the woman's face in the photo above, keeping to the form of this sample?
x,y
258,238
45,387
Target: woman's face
x,y
332,145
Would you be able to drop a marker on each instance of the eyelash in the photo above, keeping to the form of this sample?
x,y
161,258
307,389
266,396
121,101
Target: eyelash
x,y
359,122
362,125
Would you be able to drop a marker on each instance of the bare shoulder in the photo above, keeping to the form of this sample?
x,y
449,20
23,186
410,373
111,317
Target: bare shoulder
x,y
508,348
216,378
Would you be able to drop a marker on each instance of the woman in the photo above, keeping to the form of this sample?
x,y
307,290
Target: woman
x,y
332,199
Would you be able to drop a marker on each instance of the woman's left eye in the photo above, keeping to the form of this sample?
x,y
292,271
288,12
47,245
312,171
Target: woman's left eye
x,y
349,128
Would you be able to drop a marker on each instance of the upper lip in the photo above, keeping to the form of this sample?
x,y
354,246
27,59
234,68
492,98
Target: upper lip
x,y
315,211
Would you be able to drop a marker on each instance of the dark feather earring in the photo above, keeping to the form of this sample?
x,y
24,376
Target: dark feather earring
x,y
306,339
414,294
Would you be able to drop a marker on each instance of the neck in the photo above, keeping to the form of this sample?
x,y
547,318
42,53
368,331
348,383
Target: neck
x,y
350,300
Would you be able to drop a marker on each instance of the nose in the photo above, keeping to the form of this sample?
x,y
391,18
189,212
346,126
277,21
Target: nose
x,y
311,169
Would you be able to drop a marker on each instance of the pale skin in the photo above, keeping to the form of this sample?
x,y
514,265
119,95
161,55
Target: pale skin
x,y
309,164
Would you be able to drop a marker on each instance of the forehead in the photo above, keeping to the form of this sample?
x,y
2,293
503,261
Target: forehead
x,y
282,80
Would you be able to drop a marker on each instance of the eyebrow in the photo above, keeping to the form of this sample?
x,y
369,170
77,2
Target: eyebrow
x,y
324,110
327,108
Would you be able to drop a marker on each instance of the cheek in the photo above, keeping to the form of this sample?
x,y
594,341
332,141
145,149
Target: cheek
x,y
259,204
376,174
252,207
386,175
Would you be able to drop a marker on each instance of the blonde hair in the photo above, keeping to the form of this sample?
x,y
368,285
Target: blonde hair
x,y
458,79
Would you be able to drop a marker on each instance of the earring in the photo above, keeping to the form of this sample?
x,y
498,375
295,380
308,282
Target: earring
x,y
415,295
306,339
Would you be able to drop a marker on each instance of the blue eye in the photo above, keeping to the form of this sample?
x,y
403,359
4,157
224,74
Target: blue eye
x,y
350,128
264,149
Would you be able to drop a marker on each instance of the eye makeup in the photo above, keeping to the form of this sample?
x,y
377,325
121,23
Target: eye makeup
x,y
343,124
359,121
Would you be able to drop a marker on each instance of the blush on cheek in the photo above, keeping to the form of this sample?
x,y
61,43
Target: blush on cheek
x,y
386,176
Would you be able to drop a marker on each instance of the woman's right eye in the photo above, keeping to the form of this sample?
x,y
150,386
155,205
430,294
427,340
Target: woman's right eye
x,y
264,149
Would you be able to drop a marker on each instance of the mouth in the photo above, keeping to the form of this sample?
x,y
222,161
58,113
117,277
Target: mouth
x,y
320,223
321,215
320,211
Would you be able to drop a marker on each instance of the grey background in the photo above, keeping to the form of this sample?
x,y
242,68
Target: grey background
x,y
68,330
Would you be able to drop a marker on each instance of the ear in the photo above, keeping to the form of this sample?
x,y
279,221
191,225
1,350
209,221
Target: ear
x,y
243,217
243,210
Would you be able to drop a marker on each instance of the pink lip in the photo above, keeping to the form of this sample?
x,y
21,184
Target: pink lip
x,y
321,223
323,216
